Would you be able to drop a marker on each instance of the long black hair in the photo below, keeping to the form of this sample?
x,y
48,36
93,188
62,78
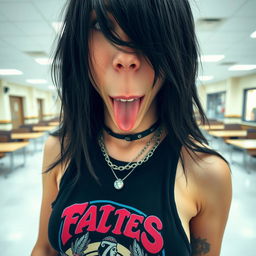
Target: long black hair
x,y
164,32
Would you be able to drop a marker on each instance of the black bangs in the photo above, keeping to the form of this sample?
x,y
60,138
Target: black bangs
x,y
138,22
161,30
132,16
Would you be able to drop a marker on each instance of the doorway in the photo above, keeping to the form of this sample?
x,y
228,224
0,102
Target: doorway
x,y
40,109
16,106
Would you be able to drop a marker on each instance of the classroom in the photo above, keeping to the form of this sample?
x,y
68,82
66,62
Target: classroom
x,y
31,110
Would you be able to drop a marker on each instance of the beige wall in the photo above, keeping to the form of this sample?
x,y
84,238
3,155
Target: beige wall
x,y
30,108
234,88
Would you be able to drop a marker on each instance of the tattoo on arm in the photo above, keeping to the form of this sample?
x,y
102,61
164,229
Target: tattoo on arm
x,y
199,246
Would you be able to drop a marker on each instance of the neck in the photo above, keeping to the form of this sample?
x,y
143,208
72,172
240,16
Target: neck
x,y
124,144
134,136
126,150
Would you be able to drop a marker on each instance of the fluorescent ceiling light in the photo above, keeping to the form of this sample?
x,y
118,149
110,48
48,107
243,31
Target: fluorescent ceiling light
x,y
253,35
205,78
57,26
36,81
10,72
44,61
212,58
242,67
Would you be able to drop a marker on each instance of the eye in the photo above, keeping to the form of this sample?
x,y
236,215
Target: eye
x,y
95,25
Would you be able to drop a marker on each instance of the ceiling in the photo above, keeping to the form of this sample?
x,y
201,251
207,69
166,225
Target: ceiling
x,y
25,26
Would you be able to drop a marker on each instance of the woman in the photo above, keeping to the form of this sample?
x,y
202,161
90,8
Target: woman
x,y
128,173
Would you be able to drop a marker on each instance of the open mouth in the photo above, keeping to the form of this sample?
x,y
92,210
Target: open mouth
x,y
124,99
126,110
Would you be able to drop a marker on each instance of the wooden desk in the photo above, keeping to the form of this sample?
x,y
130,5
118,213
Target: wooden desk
x,y
11,147
229,133
54,123
247,145
212,127
8,147
27,136
43,128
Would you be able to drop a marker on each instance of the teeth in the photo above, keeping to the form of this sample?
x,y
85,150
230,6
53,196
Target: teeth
x,y
124,100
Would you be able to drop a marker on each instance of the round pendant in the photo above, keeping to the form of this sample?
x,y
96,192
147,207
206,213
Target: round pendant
x,y
118,184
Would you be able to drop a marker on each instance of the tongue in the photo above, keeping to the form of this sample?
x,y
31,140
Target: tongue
x,y
126,113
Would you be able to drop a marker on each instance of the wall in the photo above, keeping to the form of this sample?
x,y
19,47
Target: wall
x,y
30,96
234,88
203,90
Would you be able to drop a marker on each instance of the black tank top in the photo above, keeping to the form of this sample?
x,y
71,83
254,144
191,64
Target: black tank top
x,y
141,219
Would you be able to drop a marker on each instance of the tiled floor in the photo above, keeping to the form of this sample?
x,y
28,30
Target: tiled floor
x,y
21,197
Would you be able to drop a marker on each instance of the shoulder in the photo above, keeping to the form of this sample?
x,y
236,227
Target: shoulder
x,y
51,150
52,143
210,176
52,153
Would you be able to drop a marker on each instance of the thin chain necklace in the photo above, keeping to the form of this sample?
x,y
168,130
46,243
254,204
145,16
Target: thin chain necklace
x,y
119,183
131,164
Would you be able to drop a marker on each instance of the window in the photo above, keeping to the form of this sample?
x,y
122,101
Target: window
x,y
249,107
216,105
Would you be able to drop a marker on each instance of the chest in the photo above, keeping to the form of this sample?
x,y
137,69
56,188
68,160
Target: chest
x,y
184,199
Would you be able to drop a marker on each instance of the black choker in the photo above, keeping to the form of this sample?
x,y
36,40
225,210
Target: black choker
x,y
131,137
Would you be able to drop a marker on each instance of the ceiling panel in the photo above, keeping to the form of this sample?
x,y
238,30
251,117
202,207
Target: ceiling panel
x,y
216,8
25,25
19,11
246,46
3,45
213,47
2,18
12,55
14,1
229,37
248,10
239,24
50,9
23,43
204,37
35,28
9,29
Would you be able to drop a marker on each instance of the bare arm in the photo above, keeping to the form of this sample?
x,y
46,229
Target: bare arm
x,y
50,190
215,192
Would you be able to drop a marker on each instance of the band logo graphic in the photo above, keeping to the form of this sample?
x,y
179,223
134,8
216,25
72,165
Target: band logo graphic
x,y
110,221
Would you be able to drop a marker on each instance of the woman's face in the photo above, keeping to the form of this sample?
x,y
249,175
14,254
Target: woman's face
x,y
124,80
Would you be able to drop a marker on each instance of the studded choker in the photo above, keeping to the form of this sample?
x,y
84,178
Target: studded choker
x,y
131,137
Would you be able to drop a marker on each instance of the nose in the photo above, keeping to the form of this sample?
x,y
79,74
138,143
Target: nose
x,y
124,61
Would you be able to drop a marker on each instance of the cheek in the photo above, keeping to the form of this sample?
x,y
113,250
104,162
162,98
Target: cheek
x,y
150,73
156,88
100,52
147,72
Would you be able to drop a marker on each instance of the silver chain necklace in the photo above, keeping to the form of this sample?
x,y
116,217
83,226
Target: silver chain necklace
x,y
130,165
119,183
